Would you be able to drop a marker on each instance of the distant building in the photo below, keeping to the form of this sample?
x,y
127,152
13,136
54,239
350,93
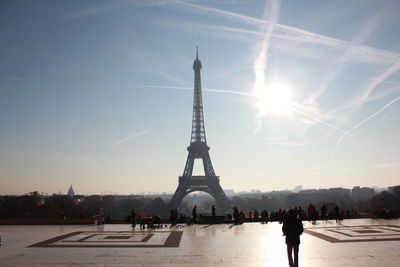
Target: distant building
x,y
339,191
308,191
255,191
362,193
71,192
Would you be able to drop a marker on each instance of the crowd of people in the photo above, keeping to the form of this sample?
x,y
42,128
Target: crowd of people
x,y
310,213
144,220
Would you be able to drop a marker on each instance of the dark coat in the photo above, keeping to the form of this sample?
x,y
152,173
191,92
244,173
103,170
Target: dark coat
x,y
292,228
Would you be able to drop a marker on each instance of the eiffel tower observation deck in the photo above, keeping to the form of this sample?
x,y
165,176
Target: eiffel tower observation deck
x,y
198,149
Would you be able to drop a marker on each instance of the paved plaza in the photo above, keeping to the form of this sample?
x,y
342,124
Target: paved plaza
x,y
357,242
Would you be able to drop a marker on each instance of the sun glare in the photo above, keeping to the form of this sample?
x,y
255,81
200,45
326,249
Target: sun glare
x,y
275,98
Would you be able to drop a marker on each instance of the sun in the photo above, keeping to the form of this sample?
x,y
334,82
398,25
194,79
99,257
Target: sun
x,y
275,98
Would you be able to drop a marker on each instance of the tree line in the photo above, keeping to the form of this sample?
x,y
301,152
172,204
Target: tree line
x,y
34,205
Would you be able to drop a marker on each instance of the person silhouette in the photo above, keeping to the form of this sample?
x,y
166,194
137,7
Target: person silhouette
x,y
292,228
236,215
194,214
324,210
133,215
336,214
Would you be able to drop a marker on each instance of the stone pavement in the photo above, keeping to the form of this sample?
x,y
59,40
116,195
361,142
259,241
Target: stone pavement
x,y
357,242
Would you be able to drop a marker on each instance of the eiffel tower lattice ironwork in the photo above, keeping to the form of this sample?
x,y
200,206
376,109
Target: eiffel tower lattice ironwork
x,y
198,149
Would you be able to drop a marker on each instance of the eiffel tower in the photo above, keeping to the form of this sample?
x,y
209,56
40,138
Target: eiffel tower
x,y
198,149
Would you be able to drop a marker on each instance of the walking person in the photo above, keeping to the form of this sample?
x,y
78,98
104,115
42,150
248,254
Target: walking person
x,y
292,228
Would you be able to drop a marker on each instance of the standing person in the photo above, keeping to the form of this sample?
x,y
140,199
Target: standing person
x,y
292,228
194,214
324,210
133,215
172,218
101,216
256,215
264,216
236,215
213,211
143,219
336,213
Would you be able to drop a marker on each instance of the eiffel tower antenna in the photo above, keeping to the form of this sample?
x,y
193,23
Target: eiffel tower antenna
x,y
198,149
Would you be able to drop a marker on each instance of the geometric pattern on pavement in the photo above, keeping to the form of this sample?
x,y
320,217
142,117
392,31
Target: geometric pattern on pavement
x,y
110,239
361,233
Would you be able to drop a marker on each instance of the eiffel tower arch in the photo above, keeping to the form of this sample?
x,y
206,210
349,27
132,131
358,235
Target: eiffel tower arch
x,y
198,149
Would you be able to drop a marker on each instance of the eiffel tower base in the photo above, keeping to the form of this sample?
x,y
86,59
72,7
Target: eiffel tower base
x,y
206,184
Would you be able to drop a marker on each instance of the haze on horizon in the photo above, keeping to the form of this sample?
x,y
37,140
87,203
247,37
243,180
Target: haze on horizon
x,y
98,94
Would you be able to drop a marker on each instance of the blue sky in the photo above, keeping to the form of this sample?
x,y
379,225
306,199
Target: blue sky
x,y
98,94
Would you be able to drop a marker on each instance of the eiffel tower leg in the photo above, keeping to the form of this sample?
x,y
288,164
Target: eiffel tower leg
x,y
187,172
180,193
220,197
208,167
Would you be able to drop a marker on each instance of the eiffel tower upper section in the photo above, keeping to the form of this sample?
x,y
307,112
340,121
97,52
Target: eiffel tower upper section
x,y
198,131
198,148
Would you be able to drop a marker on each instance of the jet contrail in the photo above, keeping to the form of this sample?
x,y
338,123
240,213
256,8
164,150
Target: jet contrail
x,y
191,88
367,119
129,138
318,120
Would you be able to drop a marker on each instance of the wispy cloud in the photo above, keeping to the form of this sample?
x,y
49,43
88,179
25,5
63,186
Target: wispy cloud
x,y
126,139
271,12
290,32
280,31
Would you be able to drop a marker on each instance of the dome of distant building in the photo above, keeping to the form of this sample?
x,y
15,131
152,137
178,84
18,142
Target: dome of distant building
x,y
71,192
